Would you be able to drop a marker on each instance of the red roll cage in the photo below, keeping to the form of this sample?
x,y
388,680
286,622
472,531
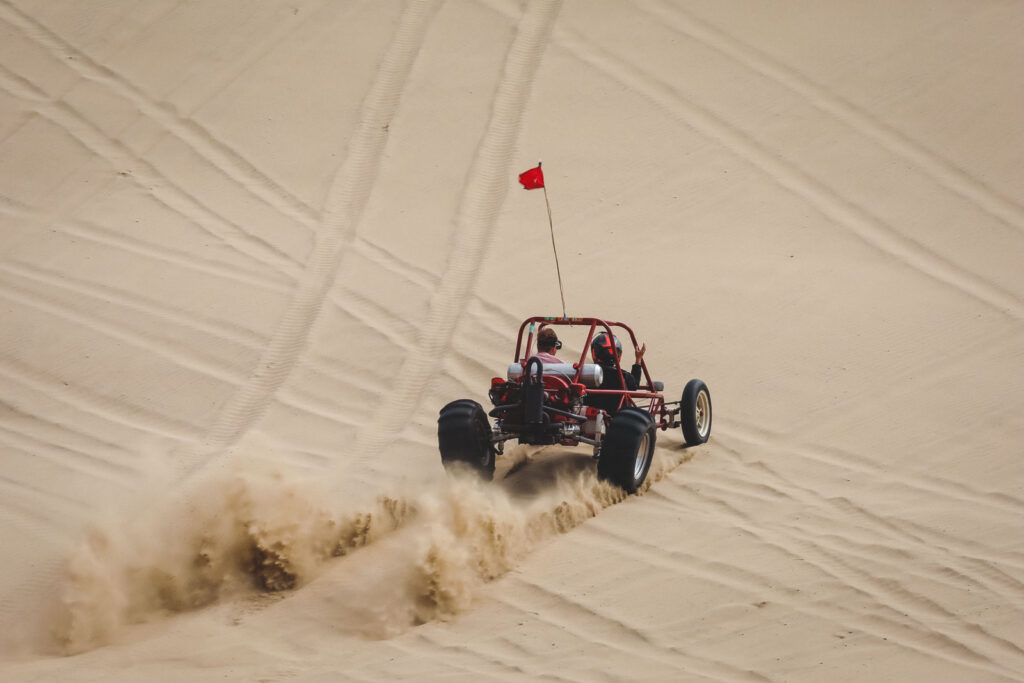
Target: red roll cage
x,y
532,326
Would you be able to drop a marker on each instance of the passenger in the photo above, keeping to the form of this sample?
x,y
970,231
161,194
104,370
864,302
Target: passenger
x,y
547,345
606,350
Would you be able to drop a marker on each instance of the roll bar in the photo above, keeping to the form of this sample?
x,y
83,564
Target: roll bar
x,y
533,325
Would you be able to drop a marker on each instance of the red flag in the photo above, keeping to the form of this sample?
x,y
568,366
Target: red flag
x,y
532,179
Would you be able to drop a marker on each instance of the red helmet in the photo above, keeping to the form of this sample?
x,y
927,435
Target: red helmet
x,y
602,349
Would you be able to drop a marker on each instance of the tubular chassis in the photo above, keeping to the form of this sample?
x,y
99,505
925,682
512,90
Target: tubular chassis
x,y
546,404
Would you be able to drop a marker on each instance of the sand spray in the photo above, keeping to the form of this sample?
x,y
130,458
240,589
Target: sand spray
x,y
257,531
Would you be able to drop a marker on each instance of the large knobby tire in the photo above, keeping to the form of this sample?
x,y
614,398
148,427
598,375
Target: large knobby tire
x,y
627,449
695,412
464,438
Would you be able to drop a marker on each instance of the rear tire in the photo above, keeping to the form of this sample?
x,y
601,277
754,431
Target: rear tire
x,y
628,449
464,438
695,413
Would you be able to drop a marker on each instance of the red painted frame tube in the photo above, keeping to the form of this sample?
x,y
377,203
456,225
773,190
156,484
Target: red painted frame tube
x,y
524,347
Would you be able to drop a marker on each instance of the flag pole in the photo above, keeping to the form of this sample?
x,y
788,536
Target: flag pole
x,y
551,225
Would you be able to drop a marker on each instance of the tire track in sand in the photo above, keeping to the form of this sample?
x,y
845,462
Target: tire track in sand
x,y
856,219
19,377
843,459
38,299
69,286
934,629
995,569
928,162
158,185
482,197
123,242
604,626
885,625
897,538
197,138
880,570
346,200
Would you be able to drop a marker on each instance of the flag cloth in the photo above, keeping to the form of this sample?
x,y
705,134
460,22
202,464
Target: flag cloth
x,y
532,179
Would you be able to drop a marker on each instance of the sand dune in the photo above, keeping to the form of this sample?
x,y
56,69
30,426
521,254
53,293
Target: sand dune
x,y
248,251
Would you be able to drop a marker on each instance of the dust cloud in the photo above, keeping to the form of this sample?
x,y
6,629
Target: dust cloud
x,y
245,534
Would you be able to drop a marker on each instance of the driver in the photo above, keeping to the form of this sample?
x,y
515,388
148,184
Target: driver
x,y
548,345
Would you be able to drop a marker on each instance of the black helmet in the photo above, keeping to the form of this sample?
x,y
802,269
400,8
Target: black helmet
x,y
601,348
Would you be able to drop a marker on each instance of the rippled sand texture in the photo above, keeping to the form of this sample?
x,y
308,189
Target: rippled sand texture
x,y
248,250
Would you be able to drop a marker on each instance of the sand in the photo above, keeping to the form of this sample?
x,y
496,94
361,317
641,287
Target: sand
x,y
248,251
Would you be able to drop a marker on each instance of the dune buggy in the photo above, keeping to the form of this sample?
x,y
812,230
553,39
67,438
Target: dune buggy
x,y
544,404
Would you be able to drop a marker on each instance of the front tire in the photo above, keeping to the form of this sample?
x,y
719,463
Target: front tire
x,y
695,412
627,449
464,438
